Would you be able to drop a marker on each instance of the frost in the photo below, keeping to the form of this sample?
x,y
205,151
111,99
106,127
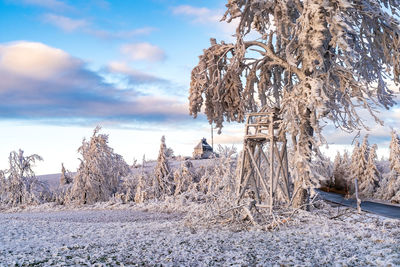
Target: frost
x,y
315,60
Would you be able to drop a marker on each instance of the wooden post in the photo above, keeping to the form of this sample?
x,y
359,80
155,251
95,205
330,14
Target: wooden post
x,y
271,161
212,137
357,198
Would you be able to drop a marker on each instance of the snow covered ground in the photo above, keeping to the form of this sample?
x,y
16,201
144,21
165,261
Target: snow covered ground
x,y
117,234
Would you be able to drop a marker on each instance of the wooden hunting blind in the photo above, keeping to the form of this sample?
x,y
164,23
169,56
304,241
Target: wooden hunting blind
x,y
264,174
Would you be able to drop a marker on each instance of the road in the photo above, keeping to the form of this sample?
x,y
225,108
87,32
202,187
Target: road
x,y
386,210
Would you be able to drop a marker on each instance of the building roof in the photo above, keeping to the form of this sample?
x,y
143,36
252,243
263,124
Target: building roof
x,y
203,145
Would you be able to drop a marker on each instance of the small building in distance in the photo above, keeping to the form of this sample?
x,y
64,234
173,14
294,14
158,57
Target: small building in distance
x,y
203,150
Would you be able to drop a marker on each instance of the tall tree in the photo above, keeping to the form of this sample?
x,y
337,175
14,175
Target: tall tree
x,y
359,161
363,157
312,59
394,156
164,181
371,175
389,187
100,170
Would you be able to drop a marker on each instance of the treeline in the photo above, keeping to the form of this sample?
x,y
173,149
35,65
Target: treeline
x,y
104,175
376,179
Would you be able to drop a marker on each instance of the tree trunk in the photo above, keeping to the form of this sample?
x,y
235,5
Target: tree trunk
x,y
301,194
300,197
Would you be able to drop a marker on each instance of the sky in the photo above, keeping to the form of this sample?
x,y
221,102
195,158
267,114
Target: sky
x,y
67,66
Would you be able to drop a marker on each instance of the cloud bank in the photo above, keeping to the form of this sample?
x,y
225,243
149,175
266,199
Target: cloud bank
x,y
42,82
143,52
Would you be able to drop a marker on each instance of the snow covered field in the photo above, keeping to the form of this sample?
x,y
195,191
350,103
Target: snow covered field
x,y
132,235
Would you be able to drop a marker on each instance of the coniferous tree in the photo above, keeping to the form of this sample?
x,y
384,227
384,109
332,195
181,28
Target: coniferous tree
x,y
389,187
363,158
356,170
346,163
341,172
163,178
371,175
141,188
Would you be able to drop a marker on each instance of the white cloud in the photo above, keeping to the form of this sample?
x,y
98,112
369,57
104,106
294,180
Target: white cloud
x,y
42,82
135,76
50,4
205,16
104,34
34,60
69,25
199,14
143,52
65,23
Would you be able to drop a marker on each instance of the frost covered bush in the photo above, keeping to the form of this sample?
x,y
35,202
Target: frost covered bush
x,y
100,170
19,184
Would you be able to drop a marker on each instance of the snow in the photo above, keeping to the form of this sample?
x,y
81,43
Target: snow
x,y
130,234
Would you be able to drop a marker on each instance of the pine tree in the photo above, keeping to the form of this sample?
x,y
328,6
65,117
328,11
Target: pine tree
x,y
389,187
163,178
346,163
371,175
356,171
341,172
394,156
100,170
363,158
140,193
359,159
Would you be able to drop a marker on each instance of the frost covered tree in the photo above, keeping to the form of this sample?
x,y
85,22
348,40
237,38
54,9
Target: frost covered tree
x,y
21,185
389,187
371,175
394,156
341,173
3,192
65,176
183,177
312,59
359,161
163,178
363,157
142,186
99,172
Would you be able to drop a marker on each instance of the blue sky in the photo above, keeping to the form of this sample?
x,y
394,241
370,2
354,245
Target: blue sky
x,y
66,66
